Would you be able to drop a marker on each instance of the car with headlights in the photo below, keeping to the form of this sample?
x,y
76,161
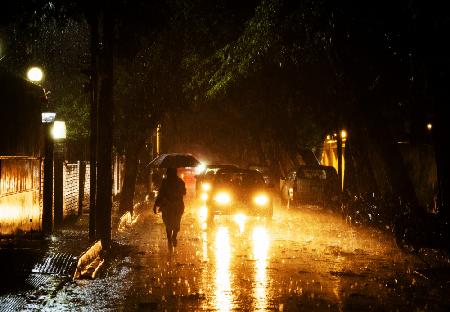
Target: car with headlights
x,y
310,185
204,180
235,191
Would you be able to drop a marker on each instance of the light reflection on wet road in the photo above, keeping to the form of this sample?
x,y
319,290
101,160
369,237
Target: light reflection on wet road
x,y
304,259
301,260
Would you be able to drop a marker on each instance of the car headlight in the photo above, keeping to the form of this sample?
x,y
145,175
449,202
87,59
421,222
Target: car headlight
x,y
222,198
204,196
200,168
206,186
261,200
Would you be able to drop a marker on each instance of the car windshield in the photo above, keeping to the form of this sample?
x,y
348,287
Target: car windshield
x,y
240,179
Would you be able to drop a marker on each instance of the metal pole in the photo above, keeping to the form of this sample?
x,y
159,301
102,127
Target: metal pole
x,y
94,25
47,212
81,182
339,156
158,140
59,184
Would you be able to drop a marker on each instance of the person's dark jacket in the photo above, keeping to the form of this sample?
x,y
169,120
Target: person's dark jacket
x,y
170,196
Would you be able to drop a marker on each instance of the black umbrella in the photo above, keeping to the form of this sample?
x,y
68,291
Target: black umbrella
x,y
174,160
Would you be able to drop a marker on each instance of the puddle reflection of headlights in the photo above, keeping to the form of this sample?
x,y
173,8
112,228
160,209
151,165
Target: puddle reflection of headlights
x,y
261,200
206,186
222,198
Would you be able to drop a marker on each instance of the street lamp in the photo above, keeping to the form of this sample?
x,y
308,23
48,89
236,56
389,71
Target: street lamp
x,y
47,212
35,74
59,130
59,134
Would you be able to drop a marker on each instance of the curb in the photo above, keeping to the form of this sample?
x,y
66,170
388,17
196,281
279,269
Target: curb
x,y
90,262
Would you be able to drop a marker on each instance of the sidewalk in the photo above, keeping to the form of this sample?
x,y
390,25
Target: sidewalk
x,y
37,274
33,269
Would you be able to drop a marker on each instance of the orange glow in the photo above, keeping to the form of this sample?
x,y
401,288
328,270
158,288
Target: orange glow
x,y
260,240
223,198
203,213
19,212
240,219
206,186
223,275
261,199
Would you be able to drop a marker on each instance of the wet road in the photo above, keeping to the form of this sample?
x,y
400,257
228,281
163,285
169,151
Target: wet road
x,y
304,259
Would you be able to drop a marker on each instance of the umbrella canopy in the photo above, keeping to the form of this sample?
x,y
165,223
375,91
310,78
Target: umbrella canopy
x,y
174,160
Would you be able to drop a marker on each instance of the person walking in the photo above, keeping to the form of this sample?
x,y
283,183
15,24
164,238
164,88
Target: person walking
x,y
170,202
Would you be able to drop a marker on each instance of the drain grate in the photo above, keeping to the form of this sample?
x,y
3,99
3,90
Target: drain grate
x,y
11,303
38,280
58,263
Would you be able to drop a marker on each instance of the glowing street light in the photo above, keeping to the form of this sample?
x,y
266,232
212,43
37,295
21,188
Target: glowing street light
x,y
59,130
58,133
429,126
35,74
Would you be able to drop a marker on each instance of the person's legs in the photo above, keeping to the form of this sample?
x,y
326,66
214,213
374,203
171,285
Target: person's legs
x,y
174,237
176,229
169,236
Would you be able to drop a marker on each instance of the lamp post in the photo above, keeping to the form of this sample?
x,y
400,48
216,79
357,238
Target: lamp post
x,y
58,135
340,141
36,75
47,212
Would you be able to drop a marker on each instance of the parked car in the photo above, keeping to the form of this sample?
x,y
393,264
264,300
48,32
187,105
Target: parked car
x,y
315,185
239,191
203,181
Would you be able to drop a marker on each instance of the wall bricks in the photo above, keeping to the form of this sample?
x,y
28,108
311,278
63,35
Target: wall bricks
x,y
70,189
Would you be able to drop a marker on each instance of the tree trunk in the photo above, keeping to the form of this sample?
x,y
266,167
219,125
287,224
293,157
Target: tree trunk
x,y
93,23
440,139
339,159
389,151
130,170
105,126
